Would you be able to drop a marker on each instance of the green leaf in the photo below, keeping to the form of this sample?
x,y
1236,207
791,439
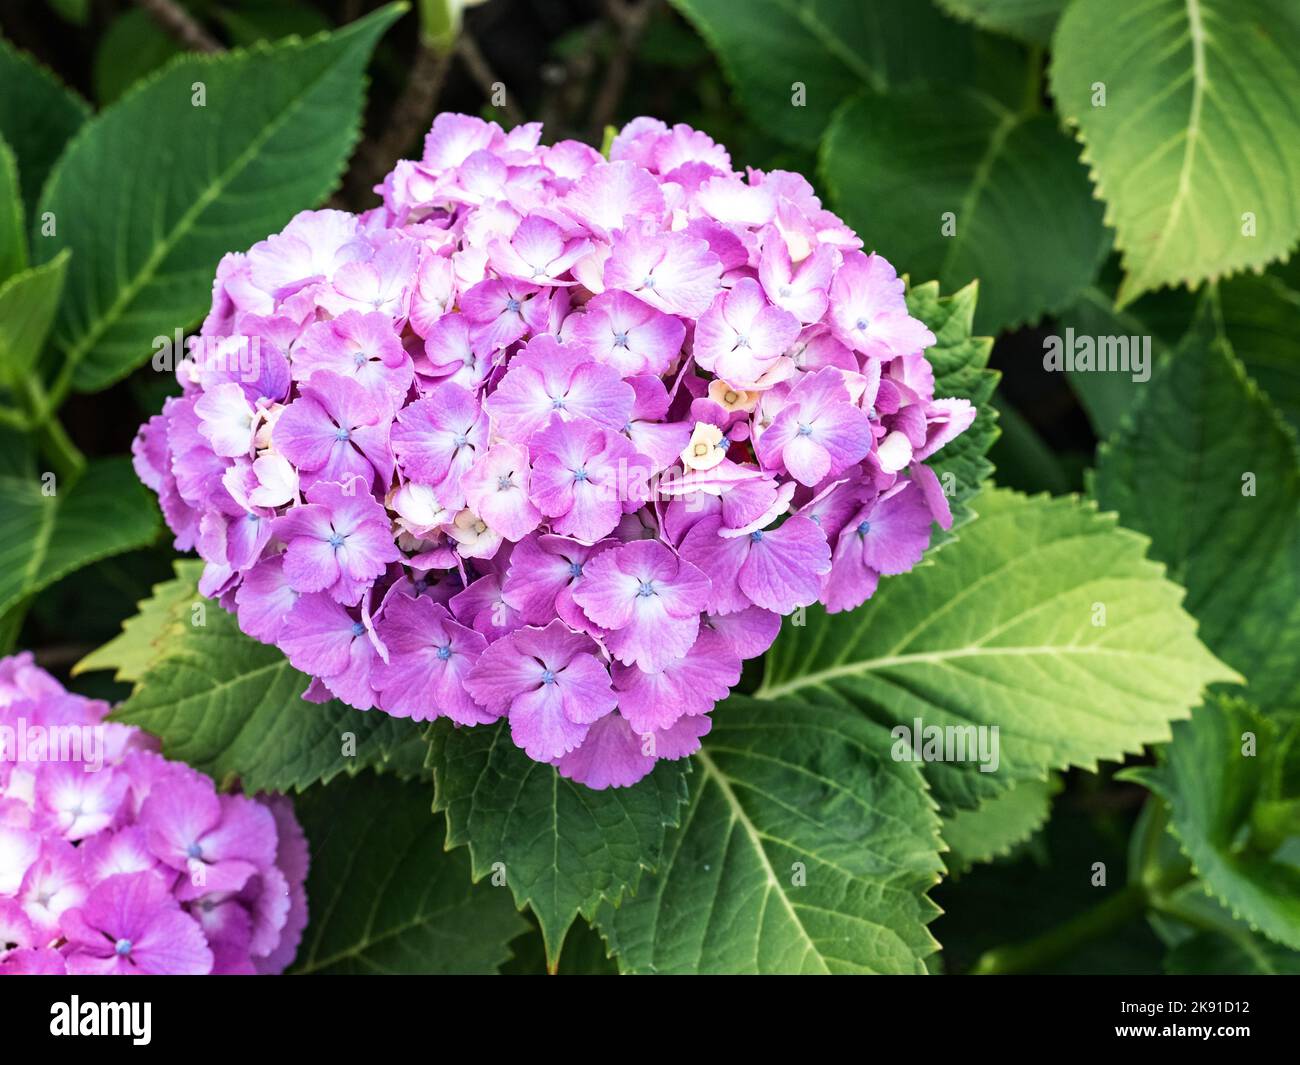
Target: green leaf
x,y
1001,629
769,48
1201,934
993,829
1216,791
232,708
28,302
1045,884
805,848
1027,20
37,118
1259,317
960,363
1010,183
191,183
142,640
46,537
1199,129
385,896
564,847
133,46
585,954
13,238
1159,319
1288,272
271,22
1179,470
1212,954
75,11
1023,458
17,455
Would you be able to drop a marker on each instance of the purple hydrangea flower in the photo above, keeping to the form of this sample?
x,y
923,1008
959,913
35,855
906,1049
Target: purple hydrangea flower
x,y
537,252
436,440
333,643
584,477
429,657
888,535
546,414
129,863
550,683
360,346
335,430
130,924
497,490
628,335
868,311
775,568
338,542
688,685
819,432
648,599
741,336
543,572
550,380
672,272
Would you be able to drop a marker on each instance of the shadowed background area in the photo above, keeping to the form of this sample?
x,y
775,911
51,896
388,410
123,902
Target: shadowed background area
x,y
947,134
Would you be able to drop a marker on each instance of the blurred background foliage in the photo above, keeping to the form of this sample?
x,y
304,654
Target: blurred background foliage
x,y
897,110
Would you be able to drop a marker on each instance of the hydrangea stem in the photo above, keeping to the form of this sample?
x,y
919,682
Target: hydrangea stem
x,y
180,25
1038,954
1034,82
1149,889
65,459
11,623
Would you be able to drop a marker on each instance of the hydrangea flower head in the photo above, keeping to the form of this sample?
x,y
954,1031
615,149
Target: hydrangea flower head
x,y
552,439
114,860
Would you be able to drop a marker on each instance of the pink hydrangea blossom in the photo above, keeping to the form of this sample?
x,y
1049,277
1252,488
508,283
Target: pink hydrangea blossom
x,y
114,860
549,438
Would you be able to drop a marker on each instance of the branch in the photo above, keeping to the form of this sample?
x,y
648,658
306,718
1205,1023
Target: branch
x,y
61,655
412,115
1118,909
180,25
631,17
1035,956
477,65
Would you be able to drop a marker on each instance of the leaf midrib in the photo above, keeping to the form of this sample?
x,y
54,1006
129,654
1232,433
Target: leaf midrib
x,y
805,16
740,817
1196,35
850,669
40,549
369,939
76,352
1007,121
